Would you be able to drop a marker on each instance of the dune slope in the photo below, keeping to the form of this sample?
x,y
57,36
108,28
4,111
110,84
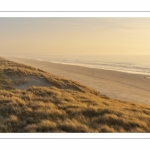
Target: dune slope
x,y
32,100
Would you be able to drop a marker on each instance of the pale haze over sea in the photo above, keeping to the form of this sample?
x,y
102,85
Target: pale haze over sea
x,y
120,44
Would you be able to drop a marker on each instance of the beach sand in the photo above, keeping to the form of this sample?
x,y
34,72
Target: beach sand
x,y
117,85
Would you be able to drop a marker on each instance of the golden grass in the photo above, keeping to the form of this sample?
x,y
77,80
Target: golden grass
x,y
64,106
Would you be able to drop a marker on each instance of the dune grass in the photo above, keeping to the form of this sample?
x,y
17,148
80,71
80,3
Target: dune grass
x,y
63,106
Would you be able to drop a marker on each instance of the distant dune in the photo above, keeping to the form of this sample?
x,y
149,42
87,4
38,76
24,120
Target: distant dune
x,y
32,100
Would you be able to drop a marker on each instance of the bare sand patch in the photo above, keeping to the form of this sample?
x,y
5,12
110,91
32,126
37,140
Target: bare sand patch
x,y
25,82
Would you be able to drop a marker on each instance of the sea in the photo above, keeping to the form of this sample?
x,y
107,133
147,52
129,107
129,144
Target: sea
x,y
135,64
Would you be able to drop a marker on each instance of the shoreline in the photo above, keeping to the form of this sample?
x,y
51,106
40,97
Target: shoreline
x,y
115,84
87,66
147,75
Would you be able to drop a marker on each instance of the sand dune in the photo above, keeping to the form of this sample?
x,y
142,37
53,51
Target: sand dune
x,y
117,85
32,100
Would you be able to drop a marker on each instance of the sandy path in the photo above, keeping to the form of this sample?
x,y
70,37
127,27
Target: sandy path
x,y
114,84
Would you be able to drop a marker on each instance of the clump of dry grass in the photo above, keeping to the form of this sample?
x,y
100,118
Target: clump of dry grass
x,y
65,106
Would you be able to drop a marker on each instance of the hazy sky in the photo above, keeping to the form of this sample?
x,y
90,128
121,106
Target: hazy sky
x,y
90,36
